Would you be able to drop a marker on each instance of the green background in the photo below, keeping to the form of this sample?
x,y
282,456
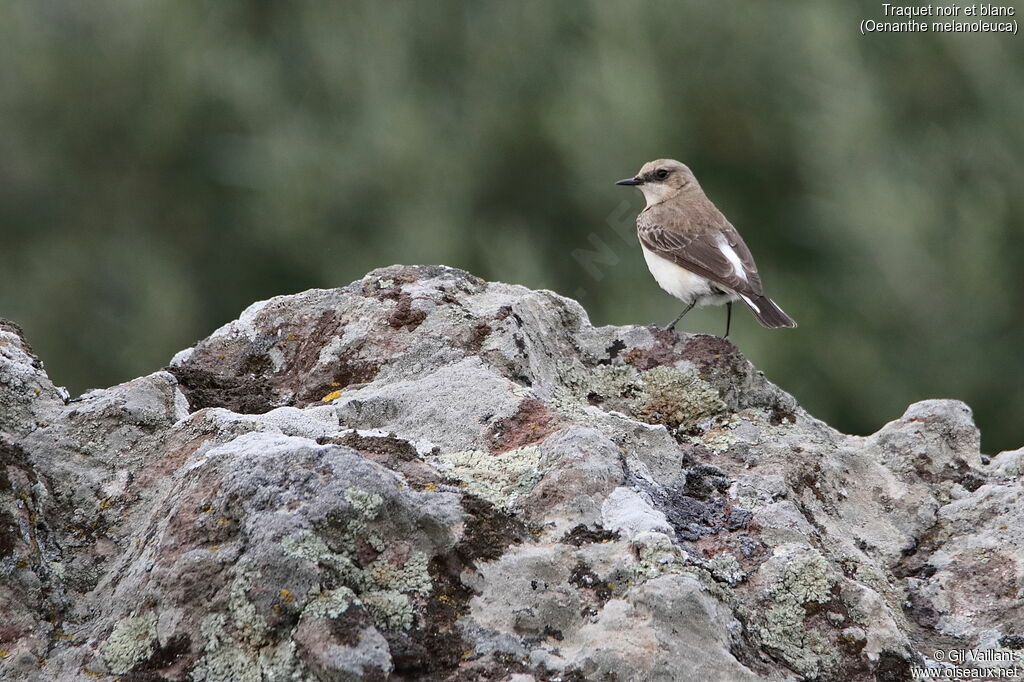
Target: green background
x,y
163,164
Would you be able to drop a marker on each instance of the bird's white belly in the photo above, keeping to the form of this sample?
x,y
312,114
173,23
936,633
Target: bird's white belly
x,y
681,283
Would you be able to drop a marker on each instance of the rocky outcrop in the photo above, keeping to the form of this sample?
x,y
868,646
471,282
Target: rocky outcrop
x,y
425,476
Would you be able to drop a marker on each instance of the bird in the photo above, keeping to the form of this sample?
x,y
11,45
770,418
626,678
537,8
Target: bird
x,y
693,251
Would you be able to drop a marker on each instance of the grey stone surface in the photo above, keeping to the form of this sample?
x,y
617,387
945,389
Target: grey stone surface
x,y
27,396
425,476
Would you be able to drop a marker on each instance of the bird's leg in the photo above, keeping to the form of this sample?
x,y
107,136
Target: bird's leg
x,y
673,323
728,318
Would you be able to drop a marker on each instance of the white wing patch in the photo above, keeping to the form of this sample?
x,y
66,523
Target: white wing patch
x,y
732,257
751,303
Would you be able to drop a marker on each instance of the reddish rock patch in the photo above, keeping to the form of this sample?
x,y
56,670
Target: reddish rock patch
x,y
711,353
404,315
531,422
477,337
664,352
165,466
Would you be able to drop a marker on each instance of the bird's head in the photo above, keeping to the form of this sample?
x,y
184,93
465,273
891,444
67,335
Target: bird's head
x,y
661,179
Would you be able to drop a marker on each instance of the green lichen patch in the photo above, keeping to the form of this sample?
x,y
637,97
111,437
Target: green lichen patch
x,y
606,383
412,576
675,398
390,609
372,576
131,642
366,504
239,645
805,584
224,659
726,568
501,478
719,438
250,626
363,568
309,545
657,555
331,603
382,586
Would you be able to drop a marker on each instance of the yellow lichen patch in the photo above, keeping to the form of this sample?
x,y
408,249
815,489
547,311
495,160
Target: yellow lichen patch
x,y
333,395
105,503
4,653
287,596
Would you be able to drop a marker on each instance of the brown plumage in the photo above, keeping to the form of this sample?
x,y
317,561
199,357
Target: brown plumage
x,y
681,227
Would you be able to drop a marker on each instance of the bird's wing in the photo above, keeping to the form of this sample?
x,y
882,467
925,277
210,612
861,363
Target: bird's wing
x,y
719,254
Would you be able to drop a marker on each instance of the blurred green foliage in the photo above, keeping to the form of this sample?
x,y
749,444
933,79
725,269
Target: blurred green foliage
x,y
164,164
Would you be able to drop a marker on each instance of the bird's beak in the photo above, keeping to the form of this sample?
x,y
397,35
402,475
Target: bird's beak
x,y
630,181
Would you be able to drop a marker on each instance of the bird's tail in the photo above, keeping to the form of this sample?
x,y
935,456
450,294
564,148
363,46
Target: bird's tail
x,y
768,312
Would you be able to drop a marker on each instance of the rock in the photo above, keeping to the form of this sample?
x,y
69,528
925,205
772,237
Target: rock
x,y
625,512
426,476
27,396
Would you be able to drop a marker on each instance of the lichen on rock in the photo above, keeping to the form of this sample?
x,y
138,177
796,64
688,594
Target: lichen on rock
x,y
675,398
500,478
130,642
803,581
426,476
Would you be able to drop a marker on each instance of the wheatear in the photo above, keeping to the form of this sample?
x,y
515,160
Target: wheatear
x,y
693,252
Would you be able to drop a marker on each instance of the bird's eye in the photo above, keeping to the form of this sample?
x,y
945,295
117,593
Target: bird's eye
x,y
661,174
